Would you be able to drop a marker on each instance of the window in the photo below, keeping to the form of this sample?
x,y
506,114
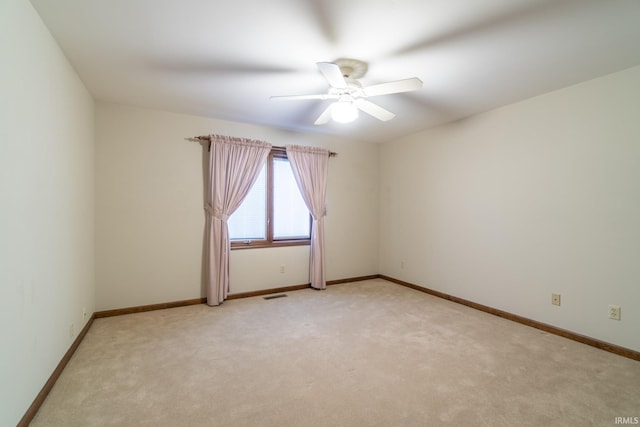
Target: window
x,y
273,213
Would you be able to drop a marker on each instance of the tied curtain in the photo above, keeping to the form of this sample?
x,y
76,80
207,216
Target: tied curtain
x,y
231,167
310,167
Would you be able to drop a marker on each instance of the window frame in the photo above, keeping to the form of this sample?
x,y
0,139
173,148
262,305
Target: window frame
x,y
270,242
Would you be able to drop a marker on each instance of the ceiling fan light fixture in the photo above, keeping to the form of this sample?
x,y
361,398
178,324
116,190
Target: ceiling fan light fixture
x,y
350,95
344,112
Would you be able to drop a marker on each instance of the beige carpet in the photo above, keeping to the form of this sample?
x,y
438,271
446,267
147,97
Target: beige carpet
x,y
360,354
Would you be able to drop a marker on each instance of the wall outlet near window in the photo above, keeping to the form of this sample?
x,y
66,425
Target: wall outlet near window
x,y
282,269
555,299
402,264
614,312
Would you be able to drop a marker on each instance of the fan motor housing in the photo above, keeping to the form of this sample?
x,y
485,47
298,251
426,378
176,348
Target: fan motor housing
x,y
352,68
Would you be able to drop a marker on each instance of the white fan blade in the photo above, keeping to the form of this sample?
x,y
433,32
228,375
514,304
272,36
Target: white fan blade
x,y
374,110
397,86
325,116
302,97
332,73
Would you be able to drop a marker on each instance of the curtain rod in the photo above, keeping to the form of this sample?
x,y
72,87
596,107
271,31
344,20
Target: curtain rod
x,y
274,147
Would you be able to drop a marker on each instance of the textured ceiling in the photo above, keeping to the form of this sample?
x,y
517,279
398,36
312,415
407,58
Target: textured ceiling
x,y
224,59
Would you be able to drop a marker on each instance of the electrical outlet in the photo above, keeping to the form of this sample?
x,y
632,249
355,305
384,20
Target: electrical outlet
x,y
555,299
282,269
84,313
614,312
402,264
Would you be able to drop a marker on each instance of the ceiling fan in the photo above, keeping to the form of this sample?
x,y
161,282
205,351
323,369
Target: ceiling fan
x,y
349,94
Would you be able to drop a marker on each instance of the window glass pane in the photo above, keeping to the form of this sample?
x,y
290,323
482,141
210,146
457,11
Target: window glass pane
x,y
290,214
249,221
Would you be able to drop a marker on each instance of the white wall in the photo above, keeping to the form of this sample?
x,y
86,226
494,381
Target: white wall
x,y
46,207
538,197
149,217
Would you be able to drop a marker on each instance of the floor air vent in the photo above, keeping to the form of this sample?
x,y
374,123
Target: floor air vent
x,y
275,296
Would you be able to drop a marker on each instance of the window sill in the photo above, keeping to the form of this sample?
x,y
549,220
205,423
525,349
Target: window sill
x,y
264,244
